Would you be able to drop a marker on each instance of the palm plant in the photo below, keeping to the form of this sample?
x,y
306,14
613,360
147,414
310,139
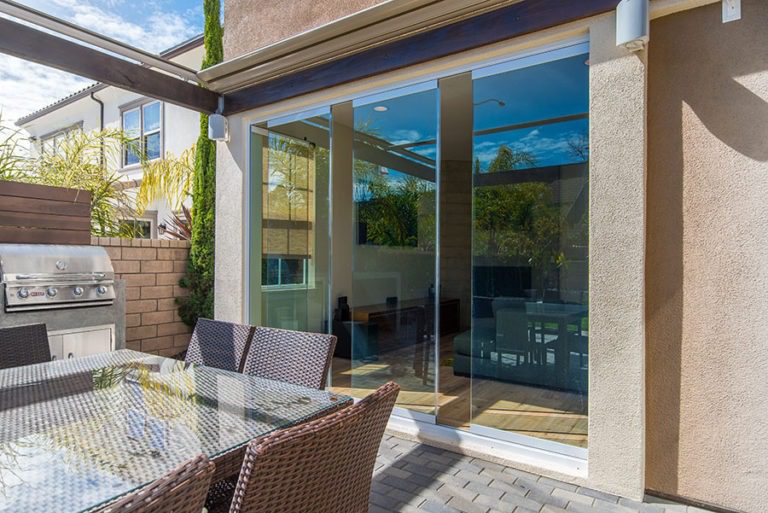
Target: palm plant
x,y
83,161
13,154
170,178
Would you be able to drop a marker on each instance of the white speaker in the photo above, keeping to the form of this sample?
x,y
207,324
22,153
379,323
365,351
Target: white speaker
x,y
632,24
218,128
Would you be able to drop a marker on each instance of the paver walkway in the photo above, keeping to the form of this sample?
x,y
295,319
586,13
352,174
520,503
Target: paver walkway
x,y
416,478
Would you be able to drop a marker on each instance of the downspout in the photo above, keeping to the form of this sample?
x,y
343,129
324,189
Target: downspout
x,y
101,125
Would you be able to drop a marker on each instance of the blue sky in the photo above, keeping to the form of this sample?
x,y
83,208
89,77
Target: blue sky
x,y
150,24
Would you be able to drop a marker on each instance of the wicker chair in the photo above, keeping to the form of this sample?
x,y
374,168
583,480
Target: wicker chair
x,y
291,356
24,345
182,490
323,466
219,344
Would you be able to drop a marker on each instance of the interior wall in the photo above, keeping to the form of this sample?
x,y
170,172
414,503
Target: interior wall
x,y
707,273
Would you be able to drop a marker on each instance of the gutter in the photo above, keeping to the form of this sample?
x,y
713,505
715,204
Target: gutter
x,y
101,125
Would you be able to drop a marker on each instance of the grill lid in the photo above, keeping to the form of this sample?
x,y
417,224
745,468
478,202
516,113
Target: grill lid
x,y
40,276
30,261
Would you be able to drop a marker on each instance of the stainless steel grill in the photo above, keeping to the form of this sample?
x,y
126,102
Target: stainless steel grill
x,y
47,277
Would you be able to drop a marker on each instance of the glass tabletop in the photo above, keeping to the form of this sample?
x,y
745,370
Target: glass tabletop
x,y
78,433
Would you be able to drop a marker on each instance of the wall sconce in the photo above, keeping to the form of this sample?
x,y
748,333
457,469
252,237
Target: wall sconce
x,y
161,228
633,24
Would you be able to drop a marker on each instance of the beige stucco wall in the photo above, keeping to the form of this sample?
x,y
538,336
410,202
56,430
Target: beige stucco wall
x,y
254,24
707,273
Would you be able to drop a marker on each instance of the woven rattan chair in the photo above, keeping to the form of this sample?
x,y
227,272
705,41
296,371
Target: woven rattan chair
x,y
24,345
219,344
323,466
182,490
291,356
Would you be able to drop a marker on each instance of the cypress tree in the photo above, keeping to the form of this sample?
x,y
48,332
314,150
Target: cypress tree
x,y
199,278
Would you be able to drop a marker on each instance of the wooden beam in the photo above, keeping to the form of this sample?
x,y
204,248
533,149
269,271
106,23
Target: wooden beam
x,y
492,27
34,45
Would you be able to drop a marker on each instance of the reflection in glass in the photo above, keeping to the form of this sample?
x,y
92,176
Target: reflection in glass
x,y
291,171
530,246
390,322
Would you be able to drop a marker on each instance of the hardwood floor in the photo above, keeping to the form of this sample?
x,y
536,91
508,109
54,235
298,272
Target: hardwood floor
x,y
534,411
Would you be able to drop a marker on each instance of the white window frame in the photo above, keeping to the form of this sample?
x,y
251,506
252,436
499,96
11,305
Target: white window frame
x,y
57,135
139,107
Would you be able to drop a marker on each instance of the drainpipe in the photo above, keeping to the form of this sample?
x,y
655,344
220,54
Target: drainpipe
x,y
101,125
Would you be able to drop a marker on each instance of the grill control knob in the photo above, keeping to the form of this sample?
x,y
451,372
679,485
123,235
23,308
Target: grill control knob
x,y
101,290
51,292
23,293
77,291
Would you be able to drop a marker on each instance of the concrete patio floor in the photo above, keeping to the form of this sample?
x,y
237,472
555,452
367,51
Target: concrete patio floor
x,y
414,478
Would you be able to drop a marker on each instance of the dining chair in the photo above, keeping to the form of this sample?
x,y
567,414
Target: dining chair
x,y
323,466
182,490
24,345
219,344
291,356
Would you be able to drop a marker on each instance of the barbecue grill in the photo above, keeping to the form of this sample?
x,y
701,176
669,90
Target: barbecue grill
x,y
46,277
71,289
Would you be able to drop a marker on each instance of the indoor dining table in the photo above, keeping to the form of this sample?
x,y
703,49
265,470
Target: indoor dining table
x,y
77,434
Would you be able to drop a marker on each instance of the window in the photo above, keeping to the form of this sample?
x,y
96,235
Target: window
x,y
142,125
277,271
51,144
138,228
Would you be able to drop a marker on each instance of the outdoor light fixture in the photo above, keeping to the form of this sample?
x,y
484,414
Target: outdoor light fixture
x,y
632,24
731,10
381,108
218,127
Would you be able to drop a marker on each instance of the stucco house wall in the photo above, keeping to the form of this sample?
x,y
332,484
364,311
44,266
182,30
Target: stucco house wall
x,y
269,22
707,257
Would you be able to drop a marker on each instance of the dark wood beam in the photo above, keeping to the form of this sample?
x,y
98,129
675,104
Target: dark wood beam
x,y
492,27
34,45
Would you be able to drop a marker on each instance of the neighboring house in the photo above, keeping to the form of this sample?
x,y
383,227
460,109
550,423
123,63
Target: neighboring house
x,y
160,127
554,244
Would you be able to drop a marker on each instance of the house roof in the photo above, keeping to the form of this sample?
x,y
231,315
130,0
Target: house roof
x,y
169,53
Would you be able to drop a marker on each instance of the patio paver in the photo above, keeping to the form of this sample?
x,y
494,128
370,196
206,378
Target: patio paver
x,y
412,478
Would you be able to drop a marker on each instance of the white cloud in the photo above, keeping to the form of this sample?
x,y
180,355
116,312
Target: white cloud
x,y
27,87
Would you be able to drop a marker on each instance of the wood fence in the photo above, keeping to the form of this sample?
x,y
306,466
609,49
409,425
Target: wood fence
x,y
39,214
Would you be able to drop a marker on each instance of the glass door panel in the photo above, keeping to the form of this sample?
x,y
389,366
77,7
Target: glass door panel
x,y
392,306
530,188
290,224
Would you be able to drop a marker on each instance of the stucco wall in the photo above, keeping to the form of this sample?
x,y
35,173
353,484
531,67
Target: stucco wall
x,y
707,272
255,24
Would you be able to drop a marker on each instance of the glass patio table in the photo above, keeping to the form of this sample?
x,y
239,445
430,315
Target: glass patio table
x,y
77,434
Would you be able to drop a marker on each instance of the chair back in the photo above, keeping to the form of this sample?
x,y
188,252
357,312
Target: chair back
x,y
291,356
323,466
219,344
24,345
182,490
512,333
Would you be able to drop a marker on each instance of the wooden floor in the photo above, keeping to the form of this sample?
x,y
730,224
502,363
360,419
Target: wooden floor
x,y
528,410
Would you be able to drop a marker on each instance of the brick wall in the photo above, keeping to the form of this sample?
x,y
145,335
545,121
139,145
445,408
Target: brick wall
x,y
151,270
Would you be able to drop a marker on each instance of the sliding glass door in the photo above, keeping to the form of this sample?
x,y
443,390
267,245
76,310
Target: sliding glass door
x,y
440,231
290,252
530,195
394,200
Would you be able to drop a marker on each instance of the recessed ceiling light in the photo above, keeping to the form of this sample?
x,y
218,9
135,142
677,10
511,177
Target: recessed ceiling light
x,y
381,108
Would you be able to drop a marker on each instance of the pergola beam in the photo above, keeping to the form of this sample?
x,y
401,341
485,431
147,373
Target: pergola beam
x,y
37,46
46,21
